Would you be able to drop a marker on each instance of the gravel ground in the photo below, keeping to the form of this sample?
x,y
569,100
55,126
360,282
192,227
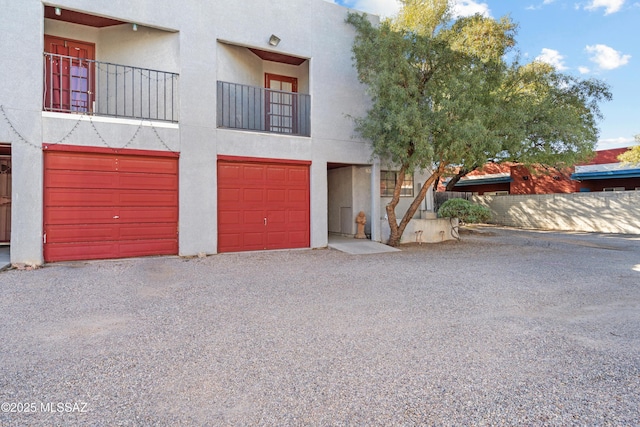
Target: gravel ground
x,y
505,327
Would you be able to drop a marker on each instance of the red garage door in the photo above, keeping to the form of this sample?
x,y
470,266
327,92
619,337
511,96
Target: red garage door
x,y
106,203
262,205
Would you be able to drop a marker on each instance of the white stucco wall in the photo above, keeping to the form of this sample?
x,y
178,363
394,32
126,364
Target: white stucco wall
x,y
184,37
21,100
424,230
340,182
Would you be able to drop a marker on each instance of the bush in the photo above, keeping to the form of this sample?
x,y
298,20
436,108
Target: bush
x,y
465,211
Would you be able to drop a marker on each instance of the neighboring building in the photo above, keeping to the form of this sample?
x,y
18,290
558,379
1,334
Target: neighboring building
x,y
603,173
492,179
606,173
496,179
161,127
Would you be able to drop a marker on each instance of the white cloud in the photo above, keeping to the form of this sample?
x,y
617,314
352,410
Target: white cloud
x,y
383,8
552,57
388,8
469,7
584,70
540,6
606,57
621,142
611,6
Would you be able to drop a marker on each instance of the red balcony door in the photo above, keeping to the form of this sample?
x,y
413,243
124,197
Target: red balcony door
x,y
281,107
69,75
5,193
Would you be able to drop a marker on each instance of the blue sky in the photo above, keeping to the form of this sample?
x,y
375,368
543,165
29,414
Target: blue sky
x,y
586,38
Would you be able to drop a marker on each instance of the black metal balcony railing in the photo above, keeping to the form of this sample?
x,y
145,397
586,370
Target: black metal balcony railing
x,y
76,85
263,110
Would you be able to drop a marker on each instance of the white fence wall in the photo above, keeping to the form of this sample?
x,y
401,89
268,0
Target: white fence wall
x,y
605,212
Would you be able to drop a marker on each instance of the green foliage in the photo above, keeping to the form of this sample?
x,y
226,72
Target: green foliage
x,y
465,211
422,16
451,97
631,156
443,94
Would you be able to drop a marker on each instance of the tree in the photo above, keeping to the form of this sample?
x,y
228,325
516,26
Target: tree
x,y
631,156
442,94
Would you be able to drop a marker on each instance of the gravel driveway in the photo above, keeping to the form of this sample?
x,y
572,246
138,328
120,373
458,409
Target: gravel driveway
x,y
505,327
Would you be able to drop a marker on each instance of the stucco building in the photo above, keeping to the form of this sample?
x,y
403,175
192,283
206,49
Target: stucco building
x,y
162,127
603,173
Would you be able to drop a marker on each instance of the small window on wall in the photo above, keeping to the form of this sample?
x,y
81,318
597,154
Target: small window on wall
x,y
388,183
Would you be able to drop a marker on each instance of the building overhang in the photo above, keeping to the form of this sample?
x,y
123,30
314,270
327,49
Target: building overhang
x,y
485,179
607,174
269,55
80,18
277,57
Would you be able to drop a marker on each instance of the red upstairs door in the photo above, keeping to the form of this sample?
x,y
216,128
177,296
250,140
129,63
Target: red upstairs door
x,y
69,75
281,103
5,194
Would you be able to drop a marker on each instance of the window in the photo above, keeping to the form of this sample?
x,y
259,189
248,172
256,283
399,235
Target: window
x,y
388,183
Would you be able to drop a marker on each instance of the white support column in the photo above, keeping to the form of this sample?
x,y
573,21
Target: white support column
x,y
375,201
319,205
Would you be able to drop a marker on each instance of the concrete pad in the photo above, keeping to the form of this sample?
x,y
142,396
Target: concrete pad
x,y
5,259
358,246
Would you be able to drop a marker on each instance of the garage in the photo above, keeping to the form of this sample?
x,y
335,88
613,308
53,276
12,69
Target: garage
x,y
104,203
262,204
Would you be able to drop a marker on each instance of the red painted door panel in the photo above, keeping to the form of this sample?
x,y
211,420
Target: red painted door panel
x,y
262,206
109,205
69,75
5,198
281,103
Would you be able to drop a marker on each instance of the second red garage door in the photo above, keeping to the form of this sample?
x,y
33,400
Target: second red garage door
x,y
105,203
262,205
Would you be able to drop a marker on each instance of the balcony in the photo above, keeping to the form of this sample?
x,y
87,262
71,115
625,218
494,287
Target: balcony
x,y
258,109
84,86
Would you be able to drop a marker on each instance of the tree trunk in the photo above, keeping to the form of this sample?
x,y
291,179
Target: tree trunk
x,y
398,229
391,208
456,178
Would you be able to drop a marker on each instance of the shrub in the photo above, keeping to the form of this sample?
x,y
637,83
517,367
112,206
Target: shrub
x,y
465,211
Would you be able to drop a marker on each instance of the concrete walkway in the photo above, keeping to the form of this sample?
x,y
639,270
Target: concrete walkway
x,y
5,260
354,246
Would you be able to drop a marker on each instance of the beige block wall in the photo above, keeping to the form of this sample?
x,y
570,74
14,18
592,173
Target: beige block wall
x,y
604,212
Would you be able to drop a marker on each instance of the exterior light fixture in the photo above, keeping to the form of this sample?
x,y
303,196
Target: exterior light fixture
x,y
274,40
135,27
58,11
